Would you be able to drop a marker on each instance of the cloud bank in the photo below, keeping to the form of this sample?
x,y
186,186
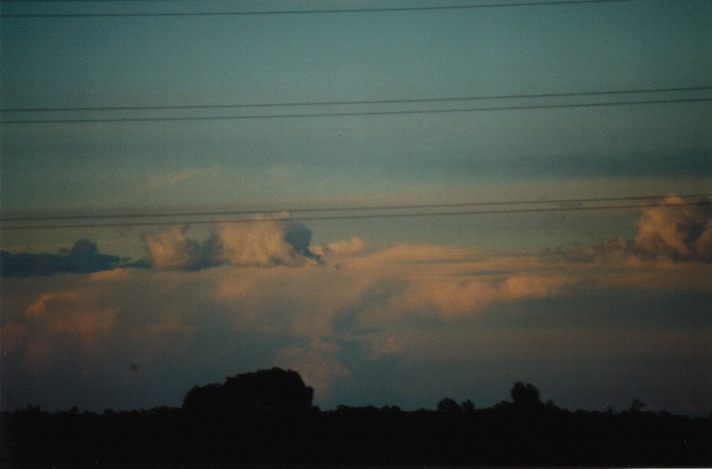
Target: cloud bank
x,y
407,320
670,231
172,250
257,243
679,232
83,257
390,309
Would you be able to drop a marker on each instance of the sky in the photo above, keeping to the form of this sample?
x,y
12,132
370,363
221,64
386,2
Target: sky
x,y
171,114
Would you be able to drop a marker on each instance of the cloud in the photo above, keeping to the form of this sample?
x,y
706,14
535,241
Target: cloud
x,y
354,245
171,249
55,320
98,321
107,275
675,231
172,179
360,307
256,243
461,284
670,231
66,313
606,164
262,243
316,362
307,316
83,257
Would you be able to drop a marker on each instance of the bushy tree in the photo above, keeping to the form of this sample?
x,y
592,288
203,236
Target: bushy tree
x,y
448,405
525,395
636,406
263,390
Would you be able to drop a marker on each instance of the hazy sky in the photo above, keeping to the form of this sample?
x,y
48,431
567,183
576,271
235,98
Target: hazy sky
x,y
594,307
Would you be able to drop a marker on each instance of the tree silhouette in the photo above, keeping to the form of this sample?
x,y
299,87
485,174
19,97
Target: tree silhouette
x,y
448,405
525,395
263,390
636,406
468,406
265,419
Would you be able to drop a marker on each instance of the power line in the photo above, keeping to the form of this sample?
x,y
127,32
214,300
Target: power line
x,y
355,103
347,217
359,113
568,208
313,12
360,208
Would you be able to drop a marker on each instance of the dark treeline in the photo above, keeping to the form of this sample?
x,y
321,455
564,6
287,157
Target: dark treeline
x,y
267,418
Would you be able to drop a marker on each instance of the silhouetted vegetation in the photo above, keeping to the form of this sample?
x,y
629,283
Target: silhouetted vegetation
x,y
267,418
273,390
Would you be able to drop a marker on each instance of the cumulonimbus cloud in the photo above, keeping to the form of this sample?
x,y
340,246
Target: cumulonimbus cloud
x,y
672,230
255,243
358,303
262,243
171,249
682,232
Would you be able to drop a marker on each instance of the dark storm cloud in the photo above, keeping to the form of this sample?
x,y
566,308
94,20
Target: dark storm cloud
x,y
83,257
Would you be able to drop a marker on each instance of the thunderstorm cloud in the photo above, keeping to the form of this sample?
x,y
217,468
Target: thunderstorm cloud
x,y
676,231
673,230
333,312
256,243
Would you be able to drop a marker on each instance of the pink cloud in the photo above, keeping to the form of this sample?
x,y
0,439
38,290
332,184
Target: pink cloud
x,y
684,232
172,249
369,297
316,362
65,313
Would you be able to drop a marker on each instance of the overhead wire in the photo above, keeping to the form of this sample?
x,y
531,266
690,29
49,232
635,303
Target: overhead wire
x,y
355,102
404,211
358,208
315,11
357,113
352,113
346,217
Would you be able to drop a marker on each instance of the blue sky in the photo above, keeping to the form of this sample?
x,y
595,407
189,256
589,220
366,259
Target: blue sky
x,y
147,61
504,284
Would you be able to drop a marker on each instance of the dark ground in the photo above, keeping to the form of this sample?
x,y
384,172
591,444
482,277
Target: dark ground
x,y
266,419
